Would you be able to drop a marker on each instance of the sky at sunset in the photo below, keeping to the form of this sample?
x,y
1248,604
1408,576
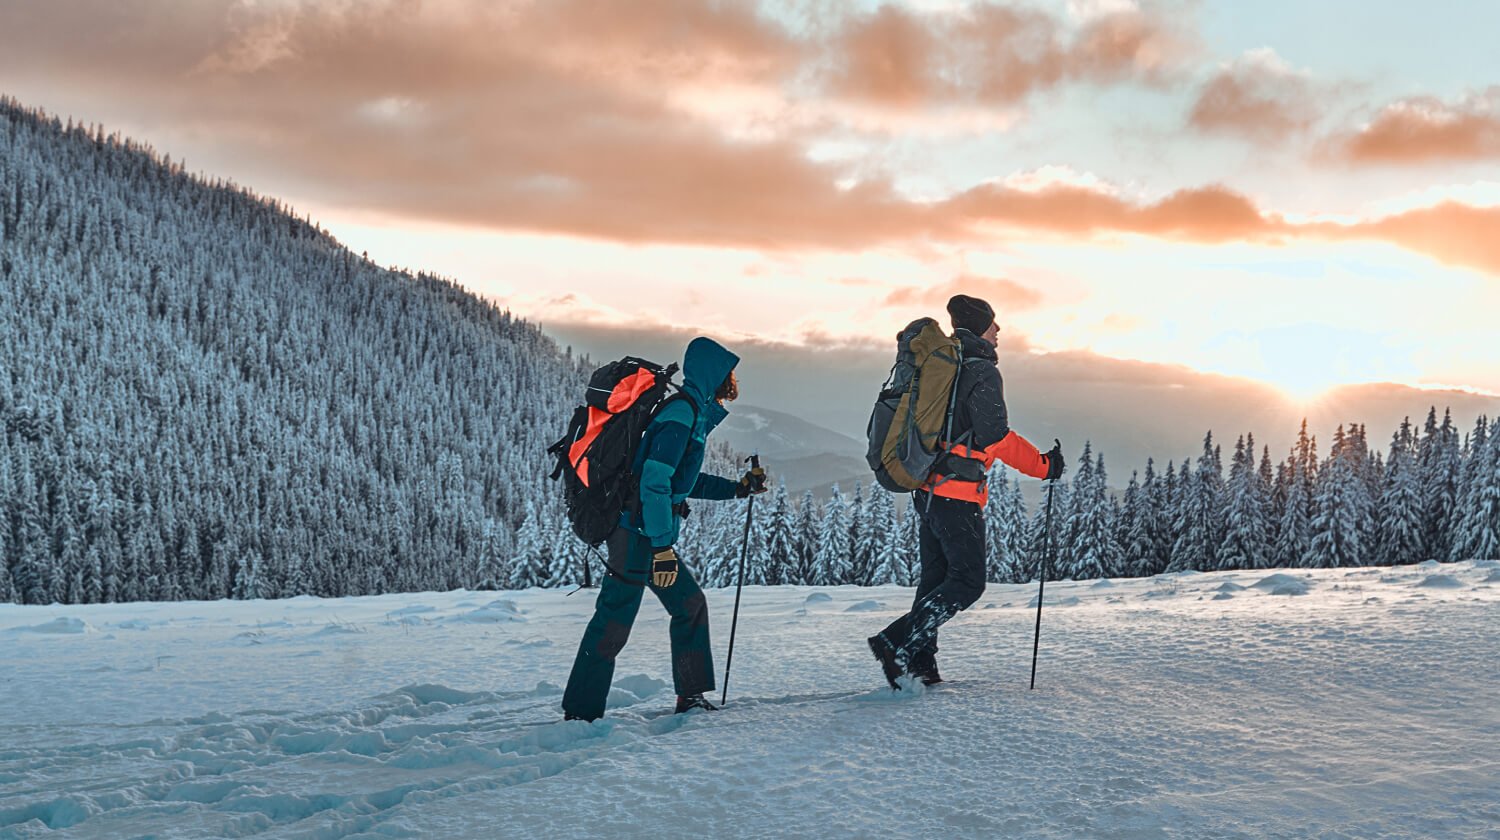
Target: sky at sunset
x,y
1301,194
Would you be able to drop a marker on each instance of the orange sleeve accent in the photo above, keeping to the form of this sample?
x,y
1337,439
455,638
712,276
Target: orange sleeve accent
x,y
1018,453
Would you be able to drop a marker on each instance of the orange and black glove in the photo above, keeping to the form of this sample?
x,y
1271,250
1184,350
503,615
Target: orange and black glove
x,y
663,568
752,483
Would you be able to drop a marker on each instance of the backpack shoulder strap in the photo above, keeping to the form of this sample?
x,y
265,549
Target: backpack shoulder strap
x,y
682,396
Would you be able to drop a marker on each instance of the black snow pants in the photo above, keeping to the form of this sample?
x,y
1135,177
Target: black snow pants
x,y
952,549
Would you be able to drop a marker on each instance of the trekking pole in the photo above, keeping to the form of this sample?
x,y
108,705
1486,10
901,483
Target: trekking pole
x,y
744,552
1036,641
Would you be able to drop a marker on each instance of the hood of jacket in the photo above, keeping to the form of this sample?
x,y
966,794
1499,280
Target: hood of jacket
x,y
705,366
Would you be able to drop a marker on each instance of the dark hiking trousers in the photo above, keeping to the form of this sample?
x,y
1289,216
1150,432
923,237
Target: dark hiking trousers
x,y
619,600
951,543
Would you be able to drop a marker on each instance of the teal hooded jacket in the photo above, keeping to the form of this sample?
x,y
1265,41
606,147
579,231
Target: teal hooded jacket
x,y
670,457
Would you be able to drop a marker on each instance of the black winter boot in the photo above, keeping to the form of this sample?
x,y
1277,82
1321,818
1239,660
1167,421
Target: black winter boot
x,y
924,667
694,701
889,660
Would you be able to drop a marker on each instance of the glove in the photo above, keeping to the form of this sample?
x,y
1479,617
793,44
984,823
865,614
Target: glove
x,y
752,483
1055,462
664,568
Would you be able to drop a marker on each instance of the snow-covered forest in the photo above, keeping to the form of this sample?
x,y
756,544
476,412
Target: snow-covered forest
x,y
203,396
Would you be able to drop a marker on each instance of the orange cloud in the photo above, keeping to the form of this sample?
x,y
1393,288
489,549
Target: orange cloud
x,y
1452,233
990,53
1258,97
1425,130
1204,214
1005,295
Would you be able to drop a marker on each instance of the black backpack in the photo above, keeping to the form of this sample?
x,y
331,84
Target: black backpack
x,y
595,456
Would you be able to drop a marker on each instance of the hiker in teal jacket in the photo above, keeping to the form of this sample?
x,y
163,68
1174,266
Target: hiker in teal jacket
x,y
641,551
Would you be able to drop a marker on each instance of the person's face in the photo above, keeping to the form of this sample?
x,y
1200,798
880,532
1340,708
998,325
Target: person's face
x,y
992,333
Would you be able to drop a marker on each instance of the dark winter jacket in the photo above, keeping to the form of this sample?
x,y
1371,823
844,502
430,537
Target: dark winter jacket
x,y
670,456
980,432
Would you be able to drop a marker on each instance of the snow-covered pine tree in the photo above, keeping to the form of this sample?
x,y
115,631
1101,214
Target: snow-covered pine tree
x,y
1136,548
1294,530
862,537
1439,461
529,568
1092,548
7,589
1005,529
1245,536
805,532
1344,517
780,556
884,535
1201,513
1162,493
1476,535
833,549
1399,539
906,551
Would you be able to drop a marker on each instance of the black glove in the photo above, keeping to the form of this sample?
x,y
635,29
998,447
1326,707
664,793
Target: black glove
x,y
663,567
752,483
1055,462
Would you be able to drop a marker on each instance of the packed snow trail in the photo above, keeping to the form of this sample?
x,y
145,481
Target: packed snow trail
x,y
1327,703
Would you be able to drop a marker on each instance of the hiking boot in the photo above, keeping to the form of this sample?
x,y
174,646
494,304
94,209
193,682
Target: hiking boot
x,y
889,661
571,716
924,667
694,701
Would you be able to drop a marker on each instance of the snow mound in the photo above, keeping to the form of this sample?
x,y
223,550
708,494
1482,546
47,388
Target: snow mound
x,y
413,609
1494,577
1440,582
60,626
1292,587
1229,586
495,612
633,689
1103,583
133,624
864,606
818,598
432,693
1486,564
1223,596
1429,564
1278,580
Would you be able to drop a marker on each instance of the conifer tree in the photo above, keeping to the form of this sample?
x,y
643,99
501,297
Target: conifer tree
x,y
862,542
833,549
1477,517
1245,538
808,573
884,536
1200,530
1400,518
780,562
1439,463
1344,509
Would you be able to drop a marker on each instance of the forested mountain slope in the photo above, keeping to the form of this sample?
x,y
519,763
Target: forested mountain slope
x,y
203,396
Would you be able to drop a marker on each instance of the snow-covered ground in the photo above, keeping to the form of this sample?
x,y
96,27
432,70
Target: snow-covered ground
x,y
1333,703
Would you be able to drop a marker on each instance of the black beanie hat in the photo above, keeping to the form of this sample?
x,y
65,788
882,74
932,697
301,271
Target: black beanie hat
x,y
970,313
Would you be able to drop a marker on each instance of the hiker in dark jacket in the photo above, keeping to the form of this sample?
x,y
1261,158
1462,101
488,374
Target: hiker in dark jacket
x,y
950,508
641,552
